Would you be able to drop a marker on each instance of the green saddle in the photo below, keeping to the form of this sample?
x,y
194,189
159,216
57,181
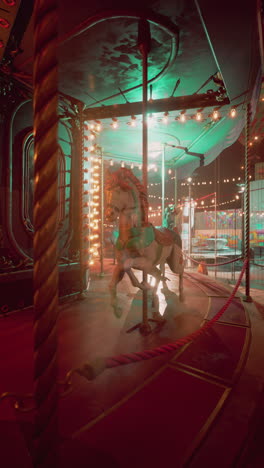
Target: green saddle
x,y
139,239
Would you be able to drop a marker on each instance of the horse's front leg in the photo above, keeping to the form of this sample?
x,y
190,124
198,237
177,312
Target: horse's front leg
x,y
117,276
135,282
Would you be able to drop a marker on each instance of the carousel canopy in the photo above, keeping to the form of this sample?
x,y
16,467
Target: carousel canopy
x,y
203,66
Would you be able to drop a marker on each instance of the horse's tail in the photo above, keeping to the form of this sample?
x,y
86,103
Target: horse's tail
x,y
175,260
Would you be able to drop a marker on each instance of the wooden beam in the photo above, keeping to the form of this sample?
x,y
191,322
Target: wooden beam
x,y
195,101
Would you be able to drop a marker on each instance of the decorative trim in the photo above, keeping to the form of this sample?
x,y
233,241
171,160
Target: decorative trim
x,y
27,183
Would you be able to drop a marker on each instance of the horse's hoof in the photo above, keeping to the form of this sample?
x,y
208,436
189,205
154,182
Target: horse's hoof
x,y
155,302
181,297
158,317
145,286
117,311
145,329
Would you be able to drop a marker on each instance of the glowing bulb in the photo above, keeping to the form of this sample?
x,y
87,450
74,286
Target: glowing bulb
x,y
198,116
215,115
165,117
256,137
98,127
92,136
133,121
132,166
111,162
92,126
114,123
169,171
233,113
182,117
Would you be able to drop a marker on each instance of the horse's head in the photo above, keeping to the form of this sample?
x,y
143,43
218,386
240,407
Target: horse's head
x,y
114,204
124,193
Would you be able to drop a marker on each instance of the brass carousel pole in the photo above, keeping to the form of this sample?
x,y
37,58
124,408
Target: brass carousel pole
x,y
144,47
45,272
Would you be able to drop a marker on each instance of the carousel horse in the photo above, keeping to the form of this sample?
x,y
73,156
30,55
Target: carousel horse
x,y
170,213
140,245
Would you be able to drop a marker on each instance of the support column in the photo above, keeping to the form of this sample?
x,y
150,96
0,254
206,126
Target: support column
x,y
45,242
163,185
215,235
144,47
247,297
102,215
190,223
175,188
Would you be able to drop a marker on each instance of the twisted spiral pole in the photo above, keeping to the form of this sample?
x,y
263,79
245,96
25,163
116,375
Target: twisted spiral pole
x,y
45,273
247,204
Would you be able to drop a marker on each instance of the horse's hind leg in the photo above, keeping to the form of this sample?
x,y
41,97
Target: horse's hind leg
x,y
181,295
141,263
117,276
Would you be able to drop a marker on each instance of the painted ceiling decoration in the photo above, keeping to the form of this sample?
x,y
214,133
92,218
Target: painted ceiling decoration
x,y
202,60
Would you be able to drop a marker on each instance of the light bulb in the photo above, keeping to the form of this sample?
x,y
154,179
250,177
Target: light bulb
x,y
215,115
233,113
198,116
165,117
182,117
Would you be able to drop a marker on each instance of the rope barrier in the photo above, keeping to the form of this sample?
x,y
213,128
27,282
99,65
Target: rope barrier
x,y
257,264
212,264
91,370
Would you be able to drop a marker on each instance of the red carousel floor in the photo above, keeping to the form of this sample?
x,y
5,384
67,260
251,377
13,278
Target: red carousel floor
x,y
180,409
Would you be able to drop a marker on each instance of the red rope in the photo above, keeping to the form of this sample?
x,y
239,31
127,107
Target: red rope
x,y
212,264
128,358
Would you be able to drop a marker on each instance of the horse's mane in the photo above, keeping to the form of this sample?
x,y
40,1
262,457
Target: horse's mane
x,y
121,178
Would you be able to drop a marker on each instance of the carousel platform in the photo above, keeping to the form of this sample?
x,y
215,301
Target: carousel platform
x,y
197,407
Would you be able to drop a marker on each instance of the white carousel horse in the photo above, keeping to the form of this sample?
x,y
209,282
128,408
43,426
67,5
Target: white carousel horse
x,y
140,245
